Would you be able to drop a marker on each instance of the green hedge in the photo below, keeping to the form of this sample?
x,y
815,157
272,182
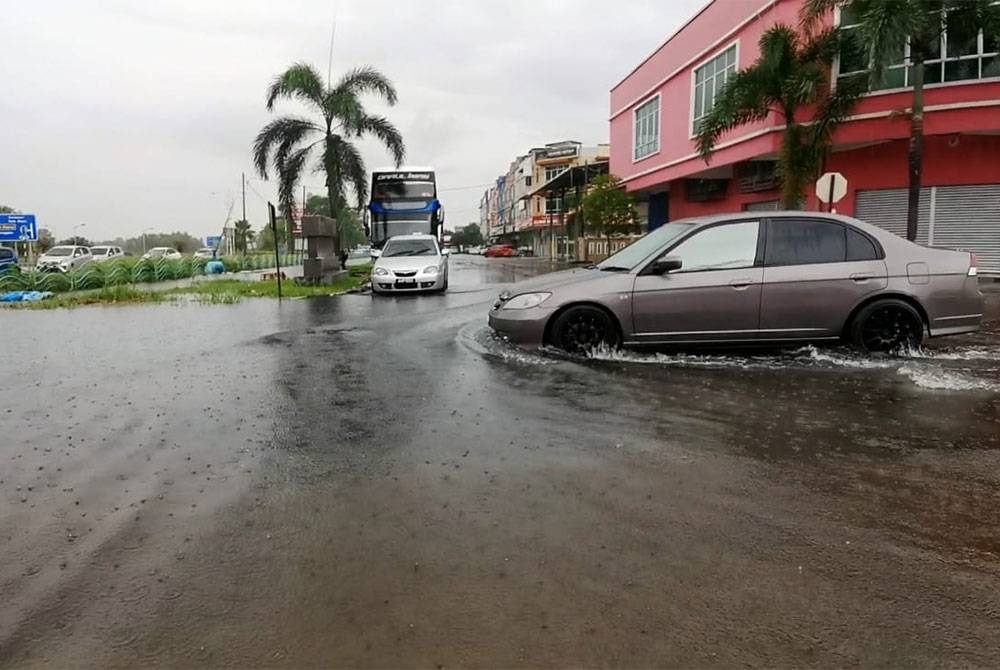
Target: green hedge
x,y
128,271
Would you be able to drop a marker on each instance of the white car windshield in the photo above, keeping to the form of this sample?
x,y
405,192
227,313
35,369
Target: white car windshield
x,y
100,251
395,248
60,251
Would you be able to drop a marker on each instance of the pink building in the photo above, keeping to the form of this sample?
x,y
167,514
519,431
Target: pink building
x,y
654,111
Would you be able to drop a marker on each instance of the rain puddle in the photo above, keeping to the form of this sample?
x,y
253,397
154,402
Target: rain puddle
x,y
970,368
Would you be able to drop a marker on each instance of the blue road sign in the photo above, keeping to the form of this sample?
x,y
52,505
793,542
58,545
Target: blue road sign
x,y
213,241
18,228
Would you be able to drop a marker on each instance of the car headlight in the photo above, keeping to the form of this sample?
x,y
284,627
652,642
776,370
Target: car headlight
x,y
430,270
526,300
380,272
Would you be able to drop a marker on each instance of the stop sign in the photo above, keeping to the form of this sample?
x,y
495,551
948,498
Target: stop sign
x,y
831,187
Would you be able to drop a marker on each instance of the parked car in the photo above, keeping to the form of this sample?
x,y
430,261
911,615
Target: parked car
x,y
205,252
106,253
64,258
410,263
501,251
8,260
744,279
162,252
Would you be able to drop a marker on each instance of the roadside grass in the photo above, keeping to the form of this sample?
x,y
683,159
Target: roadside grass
x,y
214,292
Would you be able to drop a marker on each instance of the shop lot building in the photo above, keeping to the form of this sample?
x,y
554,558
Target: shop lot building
x,y
655,110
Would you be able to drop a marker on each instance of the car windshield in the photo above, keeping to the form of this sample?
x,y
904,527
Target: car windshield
x,y
409,248
100,251
634,254
156,253
60,251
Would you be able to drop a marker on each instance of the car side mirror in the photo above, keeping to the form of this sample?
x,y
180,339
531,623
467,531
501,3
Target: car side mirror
x,y
666,264
376,253
446,252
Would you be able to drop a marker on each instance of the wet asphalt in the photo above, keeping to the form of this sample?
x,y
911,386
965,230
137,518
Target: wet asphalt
x,y
378,482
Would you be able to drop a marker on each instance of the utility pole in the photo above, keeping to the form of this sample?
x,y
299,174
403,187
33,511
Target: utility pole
x,y
243,185
274,231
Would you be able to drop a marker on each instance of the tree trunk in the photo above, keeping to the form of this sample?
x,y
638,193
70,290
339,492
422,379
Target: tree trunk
x,y
916,155
332,191
788,163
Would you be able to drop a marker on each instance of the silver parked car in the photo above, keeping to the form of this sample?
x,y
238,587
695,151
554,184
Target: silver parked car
x,y
744,279
106,253
64,258
162,252
410,263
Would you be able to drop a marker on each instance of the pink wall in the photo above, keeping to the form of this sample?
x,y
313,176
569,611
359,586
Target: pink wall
x,y
882,115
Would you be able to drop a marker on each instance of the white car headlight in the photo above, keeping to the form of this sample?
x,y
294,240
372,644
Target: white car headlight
x,y
380,272
526,300
430,270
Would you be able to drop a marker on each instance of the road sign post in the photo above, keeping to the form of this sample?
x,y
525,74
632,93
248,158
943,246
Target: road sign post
x,y
18,228
831,187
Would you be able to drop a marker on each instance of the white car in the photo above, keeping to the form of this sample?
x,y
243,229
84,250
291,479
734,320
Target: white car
x,y
409,263
205,252
106,253
64,258
162,252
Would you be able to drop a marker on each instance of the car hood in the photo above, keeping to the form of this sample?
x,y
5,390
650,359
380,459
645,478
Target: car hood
x,y
407,263
556,280
54,259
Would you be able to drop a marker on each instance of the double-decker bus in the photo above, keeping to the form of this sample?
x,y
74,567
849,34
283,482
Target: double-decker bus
x,y
403,201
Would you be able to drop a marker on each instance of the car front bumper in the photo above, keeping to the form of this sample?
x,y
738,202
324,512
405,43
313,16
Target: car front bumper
x,y
421,283
521,326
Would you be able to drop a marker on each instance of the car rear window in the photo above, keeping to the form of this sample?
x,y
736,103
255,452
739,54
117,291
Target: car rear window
x,y
804,242
859,247
6,254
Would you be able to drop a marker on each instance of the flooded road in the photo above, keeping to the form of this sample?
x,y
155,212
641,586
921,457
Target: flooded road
x,y
381,483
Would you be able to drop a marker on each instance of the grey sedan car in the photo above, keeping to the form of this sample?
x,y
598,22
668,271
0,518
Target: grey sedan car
x,y
742,279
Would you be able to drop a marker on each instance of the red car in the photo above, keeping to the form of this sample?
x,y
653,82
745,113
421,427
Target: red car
x,y
500,251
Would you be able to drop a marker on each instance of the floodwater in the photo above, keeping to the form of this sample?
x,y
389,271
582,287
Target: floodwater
x,y
382,483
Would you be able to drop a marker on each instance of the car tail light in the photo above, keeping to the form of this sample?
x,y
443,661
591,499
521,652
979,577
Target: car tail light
x,y
973,265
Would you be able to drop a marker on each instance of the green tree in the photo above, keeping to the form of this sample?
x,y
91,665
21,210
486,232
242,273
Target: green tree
x,y
265,239
886,27
606,209
45,240
76,241
244,235
288,141
792,79
468,236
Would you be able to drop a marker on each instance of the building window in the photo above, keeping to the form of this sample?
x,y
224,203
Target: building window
x,y
647,128
553,171
553,204
959,54
709,80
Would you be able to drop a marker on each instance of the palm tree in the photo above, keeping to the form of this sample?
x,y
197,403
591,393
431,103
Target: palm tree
x,y
243,234
791,74
288,142
885,28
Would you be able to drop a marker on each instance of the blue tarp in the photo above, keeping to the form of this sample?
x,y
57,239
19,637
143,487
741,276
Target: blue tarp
x,y
24,296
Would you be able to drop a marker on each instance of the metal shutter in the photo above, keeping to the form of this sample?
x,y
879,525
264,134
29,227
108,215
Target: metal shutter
x,y
968,217
886,209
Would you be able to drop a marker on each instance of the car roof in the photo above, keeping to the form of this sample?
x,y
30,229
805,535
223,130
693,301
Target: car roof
x,y
413,236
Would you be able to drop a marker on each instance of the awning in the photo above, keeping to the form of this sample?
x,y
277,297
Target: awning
x,y
568,180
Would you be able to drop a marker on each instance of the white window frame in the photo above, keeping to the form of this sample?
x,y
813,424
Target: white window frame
x,y
940,62
635,127
735,45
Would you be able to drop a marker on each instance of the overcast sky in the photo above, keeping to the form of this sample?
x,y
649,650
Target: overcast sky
x,y
134,114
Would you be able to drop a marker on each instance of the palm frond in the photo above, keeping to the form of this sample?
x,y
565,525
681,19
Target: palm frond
x,y
813,11
342,107
822,46
275,133
366,79
289,174
300,81
353,170
383,130
746,97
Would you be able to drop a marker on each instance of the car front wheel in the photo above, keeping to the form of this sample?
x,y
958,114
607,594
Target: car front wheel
x,y
886,326
583,328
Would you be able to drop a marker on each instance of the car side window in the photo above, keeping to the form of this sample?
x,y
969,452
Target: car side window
x,y
859,247
726,247
804,242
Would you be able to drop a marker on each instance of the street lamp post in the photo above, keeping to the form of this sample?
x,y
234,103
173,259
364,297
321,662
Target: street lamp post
x,y
79,225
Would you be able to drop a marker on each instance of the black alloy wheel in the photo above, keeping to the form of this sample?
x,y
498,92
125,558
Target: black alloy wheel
x,y
888,326
582,329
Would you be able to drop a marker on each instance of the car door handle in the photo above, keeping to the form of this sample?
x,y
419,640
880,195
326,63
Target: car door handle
x,y
862,276
741,284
